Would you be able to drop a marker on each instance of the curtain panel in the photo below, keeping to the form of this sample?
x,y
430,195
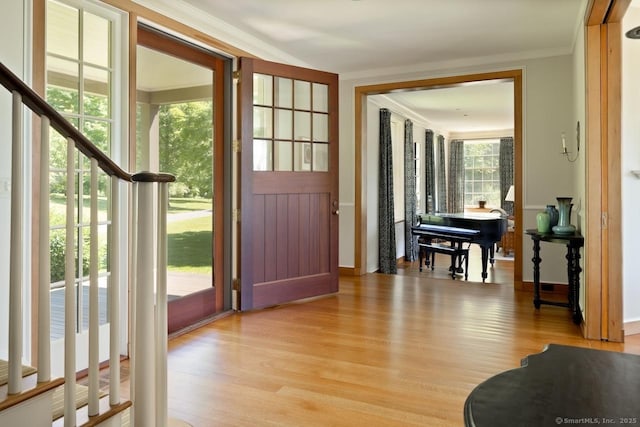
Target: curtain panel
x,y
411,243
430,175
441,206
455,185
506,172
386,220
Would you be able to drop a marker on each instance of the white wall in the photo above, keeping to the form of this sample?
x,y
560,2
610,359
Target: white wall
x,y
547,112
11,55
630,161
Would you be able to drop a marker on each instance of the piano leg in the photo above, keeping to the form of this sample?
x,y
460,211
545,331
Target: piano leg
x,y
452,269
460,260
466,265
492,254
485,258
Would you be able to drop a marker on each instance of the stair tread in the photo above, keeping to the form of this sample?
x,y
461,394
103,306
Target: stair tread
x,y
28,393
106,411
82,399
4,371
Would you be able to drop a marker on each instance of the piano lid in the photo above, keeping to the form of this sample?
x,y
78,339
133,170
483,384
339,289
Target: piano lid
x,y
442,218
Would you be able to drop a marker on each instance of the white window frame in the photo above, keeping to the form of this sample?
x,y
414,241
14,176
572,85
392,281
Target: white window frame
x,y
119,154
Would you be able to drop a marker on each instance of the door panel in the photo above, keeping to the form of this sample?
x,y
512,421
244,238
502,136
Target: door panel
x,y
289,185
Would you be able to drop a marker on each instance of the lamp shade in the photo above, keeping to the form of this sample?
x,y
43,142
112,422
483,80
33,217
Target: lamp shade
x,y
511,195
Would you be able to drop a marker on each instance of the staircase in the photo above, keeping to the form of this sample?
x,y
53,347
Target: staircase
x,y
30,396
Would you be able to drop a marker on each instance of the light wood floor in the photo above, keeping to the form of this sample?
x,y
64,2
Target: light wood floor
x,y
385,351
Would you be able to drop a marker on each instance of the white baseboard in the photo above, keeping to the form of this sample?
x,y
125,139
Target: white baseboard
x,y
632,328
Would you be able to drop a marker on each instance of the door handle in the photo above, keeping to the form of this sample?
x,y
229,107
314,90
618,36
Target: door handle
x,y
336,212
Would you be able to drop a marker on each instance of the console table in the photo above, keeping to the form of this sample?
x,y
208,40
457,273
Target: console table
x,y
573,242
562,385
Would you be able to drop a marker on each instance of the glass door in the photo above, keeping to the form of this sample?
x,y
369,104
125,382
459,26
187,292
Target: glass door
x,y
176,133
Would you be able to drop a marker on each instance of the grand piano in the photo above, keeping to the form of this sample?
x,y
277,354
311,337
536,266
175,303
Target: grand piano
x,y
491,227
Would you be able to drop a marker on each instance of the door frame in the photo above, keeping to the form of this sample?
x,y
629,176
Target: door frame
x,y
603,237
192,308
360,120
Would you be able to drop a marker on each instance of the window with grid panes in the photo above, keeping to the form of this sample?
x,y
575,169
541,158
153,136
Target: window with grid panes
x,y
290,125
482,172
79,85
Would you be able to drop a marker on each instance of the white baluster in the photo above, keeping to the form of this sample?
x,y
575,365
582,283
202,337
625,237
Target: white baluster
x,y
133,301
44,260
114,295
94,320
144,399
69,295
161,309
16,256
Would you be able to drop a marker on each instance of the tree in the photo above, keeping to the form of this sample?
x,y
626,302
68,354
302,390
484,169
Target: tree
x,y
186,146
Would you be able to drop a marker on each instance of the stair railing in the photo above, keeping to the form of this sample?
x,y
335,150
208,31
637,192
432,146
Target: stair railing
x,y
148,378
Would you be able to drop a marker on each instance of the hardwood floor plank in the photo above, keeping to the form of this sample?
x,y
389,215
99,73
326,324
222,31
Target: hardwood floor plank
x,y
402,350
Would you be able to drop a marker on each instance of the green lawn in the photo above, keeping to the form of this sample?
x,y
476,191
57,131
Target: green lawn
x,y
190,244
189,240
178,205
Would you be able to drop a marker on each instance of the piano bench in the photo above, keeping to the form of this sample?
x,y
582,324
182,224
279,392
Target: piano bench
x,y
457,254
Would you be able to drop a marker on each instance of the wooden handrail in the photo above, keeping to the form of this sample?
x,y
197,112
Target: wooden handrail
x,y
152,177
39,106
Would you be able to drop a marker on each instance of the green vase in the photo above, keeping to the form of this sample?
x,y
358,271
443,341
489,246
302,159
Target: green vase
x,y
564,208
543,221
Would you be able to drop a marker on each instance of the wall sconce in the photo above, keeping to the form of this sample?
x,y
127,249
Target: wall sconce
x,y
567,153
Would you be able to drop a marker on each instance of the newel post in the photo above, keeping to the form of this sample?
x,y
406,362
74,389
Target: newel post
x,y
149,377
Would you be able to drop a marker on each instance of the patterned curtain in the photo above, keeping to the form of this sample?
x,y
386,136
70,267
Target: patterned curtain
x,y
506,172
456,177
441,206
430,174
386,220
410,243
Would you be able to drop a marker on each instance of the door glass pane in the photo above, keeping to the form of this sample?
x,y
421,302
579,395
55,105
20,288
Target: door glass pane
x,y
320,157
302,156
284,93
63,85
96,39
320,98
262,155
302,126
79,48
262,89
96,92
320,127
98,132
291,119
175,135
284,124
302,95
262,122
282,157
62,30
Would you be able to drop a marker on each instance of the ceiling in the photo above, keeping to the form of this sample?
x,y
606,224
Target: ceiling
x,y
354,36
359,38
472,108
